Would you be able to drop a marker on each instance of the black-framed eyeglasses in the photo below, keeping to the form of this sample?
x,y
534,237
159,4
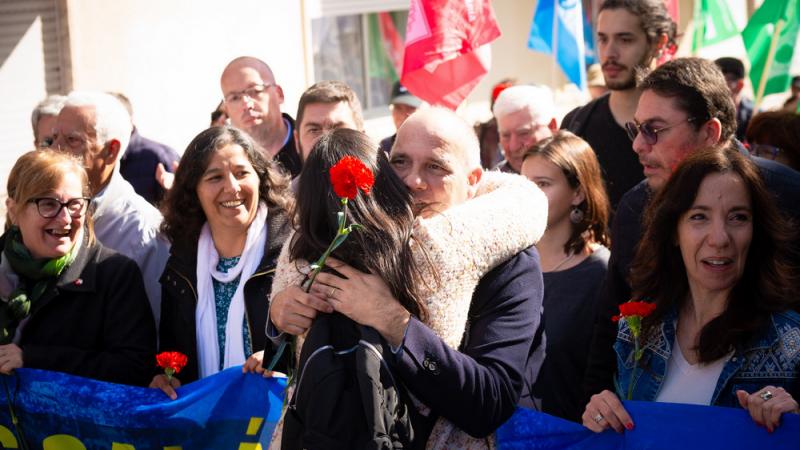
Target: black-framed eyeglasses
x,y
765,151
50,207
649,133
253,93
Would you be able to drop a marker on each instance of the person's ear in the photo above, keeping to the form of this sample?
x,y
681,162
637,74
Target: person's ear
x,y
11,210
739,85
578,196
473,178
111,150
711,132
553,125
279,91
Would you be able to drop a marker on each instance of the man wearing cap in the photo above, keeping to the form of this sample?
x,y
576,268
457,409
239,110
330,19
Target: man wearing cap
x,y
733,71
402,105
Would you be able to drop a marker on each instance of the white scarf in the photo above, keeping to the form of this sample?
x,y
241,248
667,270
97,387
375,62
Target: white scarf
x,y
206,313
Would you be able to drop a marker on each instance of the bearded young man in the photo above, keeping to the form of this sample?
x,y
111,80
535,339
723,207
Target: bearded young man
x,y
631,36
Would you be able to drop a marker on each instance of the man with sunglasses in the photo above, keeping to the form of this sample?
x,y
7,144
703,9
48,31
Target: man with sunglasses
x,y
252,100
685,106
631,35
96,128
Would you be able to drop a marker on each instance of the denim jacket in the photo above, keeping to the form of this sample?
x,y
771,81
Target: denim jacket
x,y
772,357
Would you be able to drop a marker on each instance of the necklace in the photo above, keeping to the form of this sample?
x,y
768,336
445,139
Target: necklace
x,y
563,261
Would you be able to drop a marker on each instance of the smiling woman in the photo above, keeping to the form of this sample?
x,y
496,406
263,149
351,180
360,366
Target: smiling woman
x,y
226,216
69,304
714,260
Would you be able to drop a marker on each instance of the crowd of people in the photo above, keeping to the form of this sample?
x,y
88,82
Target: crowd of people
x,y
488,263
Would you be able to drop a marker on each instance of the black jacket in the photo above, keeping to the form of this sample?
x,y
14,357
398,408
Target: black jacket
x,y
179,296
96,322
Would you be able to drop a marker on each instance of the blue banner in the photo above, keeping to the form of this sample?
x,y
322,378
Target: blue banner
x,y
232,410
658,426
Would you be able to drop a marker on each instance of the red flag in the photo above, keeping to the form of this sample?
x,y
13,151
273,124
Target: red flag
x,y
392,41
673,7
443,58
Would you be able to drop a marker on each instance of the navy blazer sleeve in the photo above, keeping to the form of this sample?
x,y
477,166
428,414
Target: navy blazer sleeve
x,y
479,387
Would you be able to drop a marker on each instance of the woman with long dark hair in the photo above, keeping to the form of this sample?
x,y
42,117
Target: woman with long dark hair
x,y
227,218
714,263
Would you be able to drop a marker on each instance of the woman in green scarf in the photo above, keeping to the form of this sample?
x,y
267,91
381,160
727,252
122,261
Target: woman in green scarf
x,y
67,303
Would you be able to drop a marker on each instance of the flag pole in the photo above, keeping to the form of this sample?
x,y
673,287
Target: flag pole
x,y
699,27
554,43
773,45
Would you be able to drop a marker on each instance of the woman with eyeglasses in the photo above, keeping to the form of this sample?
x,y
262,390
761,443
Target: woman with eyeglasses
x,y
574,257
714,263
68,303
775,135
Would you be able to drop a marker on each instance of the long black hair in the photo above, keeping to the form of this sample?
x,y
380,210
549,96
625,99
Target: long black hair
x,y
382,246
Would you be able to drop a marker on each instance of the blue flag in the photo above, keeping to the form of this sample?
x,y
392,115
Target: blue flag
x,y
557,29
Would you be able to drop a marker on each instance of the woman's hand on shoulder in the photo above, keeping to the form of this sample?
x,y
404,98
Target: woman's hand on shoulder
x,y
10,358
767,405
160,381
605,410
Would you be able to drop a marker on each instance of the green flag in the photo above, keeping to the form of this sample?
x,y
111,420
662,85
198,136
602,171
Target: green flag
x,y
712,23
758,36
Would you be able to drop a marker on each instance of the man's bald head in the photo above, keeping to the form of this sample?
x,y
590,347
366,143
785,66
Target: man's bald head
x,y
437,156
445,128
249,62
252,100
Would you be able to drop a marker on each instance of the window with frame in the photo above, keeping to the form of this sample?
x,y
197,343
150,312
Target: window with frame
x,y
363,50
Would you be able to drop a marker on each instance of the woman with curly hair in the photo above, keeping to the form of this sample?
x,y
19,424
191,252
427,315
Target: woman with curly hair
x,y
713,261
227,218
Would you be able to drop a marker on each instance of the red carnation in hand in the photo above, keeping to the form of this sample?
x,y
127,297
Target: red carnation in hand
x,y
171,362
349,175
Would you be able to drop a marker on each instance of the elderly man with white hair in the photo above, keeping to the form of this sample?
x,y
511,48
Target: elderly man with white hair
x,y
525,115
96,128
43,119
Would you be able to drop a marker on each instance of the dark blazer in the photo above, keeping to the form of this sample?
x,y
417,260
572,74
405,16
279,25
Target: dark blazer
x,y
96,322
479,386
179,296
780,180
138,165
288,156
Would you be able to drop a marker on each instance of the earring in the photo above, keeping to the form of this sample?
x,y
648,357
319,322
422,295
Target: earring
x,y
576,215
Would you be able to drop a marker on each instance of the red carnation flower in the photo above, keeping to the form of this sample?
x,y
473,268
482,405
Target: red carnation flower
x,y
641,309
171,362
349,175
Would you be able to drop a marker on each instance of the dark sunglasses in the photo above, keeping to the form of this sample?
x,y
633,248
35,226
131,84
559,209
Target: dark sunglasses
x,y
649,133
